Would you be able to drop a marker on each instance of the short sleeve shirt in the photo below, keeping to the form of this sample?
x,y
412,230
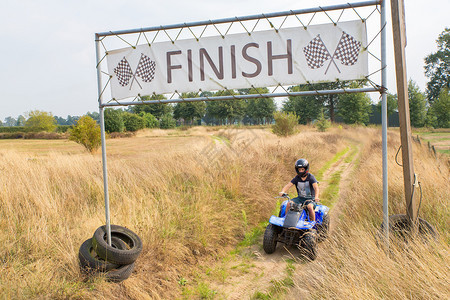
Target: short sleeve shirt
x,y
305,187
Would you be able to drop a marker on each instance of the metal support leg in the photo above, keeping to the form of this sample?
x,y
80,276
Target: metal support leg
x,y
384,122
102,130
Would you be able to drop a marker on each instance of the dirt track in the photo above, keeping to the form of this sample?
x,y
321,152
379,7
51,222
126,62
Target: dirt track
x,y
255,271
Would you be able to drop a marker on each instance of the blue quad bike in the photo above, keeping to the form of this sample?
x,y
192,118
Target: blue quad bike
x,y
294,228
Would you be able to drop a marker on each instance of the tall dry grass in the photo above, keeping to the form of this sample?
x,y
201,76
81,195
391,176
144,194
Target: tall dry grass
x,y
190,198
350,265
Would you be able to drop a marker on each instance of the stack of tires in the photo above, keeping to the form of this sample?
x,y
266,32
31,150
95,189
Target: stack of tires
x,y
115,261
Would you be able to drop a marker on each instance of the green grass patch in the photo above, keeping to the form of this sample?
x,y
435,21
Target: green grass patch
x,y
432,133
438,139
221,138
252,236
354,151
331,192
327,165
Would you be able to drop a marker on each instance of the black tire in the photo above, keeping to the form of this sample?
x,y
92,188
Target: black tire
x,y
120,274
90,262
309,245
323,229
270,239
114,255
399,227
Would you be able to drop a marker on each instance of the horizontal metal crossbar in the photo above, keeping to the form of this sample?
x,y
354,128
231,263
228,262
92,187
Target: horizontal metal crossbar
x,y
251,96
244,18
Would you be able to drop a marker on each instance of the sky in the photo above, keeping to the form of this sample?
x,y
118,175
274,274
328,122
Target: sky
x,y
48,49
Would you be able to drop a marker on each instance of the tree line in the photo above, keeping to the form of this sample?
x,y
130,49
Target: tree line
x,y
430,108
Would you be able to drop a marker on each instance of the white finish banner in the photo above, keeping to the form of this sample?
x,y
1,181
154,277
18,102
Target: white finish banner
x,y
265,58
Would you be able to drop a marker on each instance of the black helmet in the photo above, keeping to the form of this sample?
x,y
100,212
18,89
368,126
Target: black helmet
x,y
301,163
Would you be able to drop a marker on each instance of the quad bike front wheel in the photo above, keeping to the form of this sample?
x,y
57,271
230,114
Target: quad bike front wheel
x,y
270,239
309,246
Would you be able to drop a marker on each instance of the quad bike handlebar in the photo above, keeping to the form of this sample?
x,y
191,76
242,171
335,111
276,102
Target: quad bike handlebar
x,y
293,205
284,196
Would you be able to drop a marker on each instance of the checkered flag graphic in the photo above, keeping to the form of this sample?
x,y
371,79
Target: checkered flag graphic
x,y
123,72
347,50
146,68
316,53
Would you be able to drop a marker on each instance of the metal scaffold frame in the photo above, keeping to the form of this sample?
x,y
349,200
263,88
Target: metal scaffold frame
x,y
142,36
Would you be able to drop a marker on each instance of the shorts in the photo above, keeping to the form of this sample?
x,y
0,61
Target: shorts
x,y
304,201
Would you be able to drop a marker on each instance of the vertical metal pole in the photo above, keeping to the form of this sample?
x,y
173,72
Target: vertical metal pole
x,y
102,130
384,122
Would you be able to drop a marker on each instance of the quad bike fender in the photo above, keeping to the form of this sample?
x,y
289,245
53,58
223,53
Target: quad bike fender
x,y
301,224
321,211
283,209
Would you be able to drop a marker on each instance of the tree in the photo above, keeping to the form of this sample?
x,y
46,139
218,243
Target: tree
x,y
355,108
228,111
259,110
10,121
430,119
392,104
156,109
437,67
441,109
167,122
307,107
1,123
60,120
150,120
41,121
94,115
417,105
113,120
189,111
21,121
133,122
87,133
72,120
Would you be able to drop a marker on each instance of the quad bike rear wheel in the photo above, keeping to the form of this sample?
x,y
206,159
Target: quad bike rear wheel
x,y
323,229
309,245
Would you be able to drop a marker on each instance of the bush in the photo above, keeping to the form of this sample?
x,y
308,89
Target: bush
x,y
117,135
322,124
42,135
150,120
113,120
284,123
40,121
86,133
12,135
167,121
12,129
133,122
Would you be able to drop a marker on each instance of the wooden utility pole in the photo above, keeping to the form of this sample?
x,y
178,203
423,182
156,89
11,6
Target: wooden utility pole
x,y
399,36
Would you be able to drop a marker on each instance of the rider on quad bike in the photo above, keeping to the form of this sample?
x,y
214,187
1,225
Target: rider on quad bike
x,y
301,221
307,188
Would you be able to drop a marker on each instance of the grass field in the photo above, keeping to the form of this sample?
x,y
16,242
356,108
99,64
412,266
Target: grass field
x,y
440,139
193,196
